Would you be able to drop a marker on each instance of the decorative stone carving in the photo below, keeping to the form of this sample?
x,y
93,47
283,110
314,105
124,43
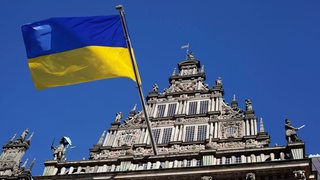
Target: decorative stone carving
x,y
193,120
206,178
248,105
136,119
251,143
187,85
299,175
219,81
250,176
59,151
163,123
155,88
291,134
118,117
128,137
231,129
230,145
228,113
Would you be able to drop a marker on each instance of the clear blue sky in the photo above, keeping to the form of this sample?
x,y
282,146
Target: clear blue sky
x,y
267,51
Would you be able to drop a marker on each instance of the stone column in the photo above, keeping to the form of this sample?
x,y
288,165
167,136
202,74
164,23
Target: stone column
x,y
216,130
154,113
145,136
247,127
173,133
180,107
211,130
180,133
255,126
251,125
212,104
106,139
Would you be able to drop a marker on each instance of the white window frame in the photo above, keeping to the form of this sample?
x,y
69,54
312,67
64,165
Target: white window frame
x,y
166,109
160,139
198,104
195,134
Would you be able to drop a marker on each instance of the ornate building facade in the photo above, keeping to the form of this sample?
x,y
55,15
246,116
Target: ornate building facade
x,y
10,159
198,136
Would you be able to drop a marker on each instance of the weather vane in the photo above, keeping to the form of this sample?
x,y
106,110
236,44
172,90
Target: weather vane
x,y
186,47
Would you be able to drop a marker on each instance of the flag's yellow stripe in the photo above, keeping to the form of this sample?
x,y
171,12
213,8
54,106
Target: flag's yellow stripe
x,y
81,65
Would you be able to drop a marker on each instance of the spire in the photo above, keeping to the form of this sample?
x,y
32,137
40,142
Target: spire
x,y
133,111
14,136
134,107
23,135
30,137
202,69
12,139
261,125
31,165
174,72
101,138
25,164
234,103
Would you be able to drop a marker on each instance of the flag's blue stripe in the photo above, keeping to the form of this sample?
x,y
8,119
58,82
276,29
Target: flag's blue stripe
x,y
56,35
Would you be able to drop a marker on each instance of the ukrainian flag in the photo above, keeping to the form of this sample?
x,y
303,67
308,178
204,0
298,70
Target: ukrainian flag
x,y
65,51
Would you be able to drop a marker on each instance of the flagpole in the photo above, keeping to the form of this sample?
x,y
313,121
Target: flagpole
x,y
136,74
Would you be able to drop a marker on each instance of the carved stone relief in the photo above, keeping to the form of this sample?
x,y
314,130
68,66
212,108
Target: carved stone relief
x,y
231,129
250,176
128,137
299,175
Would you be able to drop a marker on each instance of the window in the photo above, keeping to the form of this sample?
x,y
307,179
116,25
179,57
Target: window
x,y
202,133
156,135
189,163
238,160
228,160
161,109
145,166
192,108
166,135
204,107
199,162
189,133
171,110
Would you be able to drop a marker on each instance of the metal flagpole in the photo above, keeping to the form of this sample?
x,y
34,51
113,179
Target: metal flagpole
x,y
136,74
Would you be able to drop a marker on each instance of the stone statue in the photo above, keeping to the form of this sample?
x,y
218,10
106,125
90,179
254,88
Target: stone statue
x,y
190,56
250,176
248,105
155,88
60,150
291,134
219,81
118,117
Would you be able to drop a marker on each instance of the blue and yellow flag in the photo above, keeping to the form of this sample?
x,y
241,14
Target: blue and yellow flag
x,y
65,51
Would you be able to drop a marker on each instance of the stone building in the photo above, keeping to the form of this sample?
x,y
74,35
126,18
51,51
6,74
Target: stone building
x,y
11,156
198,136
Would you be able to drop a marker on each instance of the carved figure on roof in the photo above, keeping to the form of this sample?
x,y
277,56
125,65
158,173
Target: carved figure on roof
x,y
60,150
219,81
190,56
291,132
118,117
155,88
248,105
